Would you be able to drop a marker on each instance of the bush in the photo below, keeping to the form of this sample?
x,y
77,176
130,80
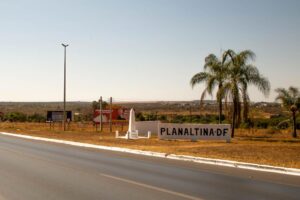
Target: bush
x,y
222,117
151,117
162,117
276,120
36,118
195,118
15,117
261,123
248,124
140,117
178,119
202,119
284,124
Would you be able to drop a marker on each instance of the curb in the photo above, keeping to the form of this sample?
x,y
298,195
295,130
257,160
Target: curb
x,y
227,163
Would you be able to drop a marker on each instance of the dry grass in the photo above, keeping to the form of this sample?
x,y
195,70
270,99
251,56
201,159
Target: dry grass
x,y
255,146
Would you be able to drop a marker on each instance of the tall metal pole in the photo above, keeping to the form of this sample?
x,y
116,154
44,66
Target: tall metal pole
x,y
100,106
110,115
65,70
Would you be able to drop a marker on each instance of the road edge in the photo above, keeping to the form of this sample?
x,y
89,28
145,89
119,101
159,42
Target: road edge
x,y
227,163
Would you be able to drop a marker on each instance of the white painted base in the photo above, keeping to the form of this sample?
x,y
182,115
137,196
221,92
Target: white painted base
x,y
133,135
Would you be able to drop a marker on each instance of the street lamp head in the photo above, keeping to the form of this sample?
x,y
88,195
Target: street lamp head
x,y
65,45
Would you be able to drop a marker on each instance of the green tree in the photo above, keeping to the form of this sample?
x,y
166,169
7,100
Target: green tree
x,y
240,75
15,117
96,105
36,118
290,99
140,117
214,74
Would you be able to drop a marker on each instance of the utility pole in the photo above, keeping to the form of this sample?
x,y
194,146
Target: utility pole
x,y
100,106
65,71
110,114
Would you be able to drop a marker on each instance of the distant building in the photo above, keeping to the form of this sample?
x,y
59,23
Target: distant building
x,y
117,114
57,116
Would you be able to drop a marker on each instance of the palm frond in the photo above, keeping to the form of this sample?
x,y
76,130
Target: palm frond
x,y
198,78
262,83
288,97
210,84
293,91
203,96
246,55
210,60
229,54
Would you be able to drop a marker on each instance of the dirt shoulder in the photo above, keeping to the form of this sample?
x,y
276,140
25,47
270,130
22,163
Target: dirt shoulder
x,y
253,146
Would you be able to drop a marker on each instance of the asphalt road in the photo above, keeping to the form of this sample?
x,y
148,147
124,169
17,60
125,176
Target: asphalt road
x,y
40,170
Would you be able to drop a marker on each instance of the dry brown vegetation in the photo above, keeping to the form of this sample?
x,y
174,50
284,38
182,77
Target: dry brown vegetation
x,y
250,145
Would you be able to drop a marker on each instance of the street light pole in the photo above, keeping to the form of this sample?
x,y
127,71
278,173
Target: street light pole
x,y
65,70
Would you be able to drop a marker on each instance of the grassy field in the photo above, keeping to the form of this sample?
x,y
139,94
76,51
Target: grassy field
x,y
254,145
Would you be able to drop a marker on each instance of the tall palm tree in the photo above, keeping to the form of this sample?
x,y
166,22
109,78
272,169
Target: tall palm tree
x,y
241,74
290,99
214,74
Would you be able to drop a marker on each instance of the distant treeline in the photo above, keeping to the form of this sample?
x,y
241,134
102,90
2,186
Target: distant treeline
x,y
277,122
21,117
36,117
30,108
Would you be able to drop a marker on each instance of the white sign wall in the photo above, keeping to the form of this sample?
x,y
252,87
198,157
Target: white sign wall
x,y
144,126
194,131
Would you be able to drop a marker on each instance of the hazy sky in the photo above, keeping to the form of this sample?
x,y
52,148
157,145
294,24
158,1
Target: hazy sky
x,y
139,50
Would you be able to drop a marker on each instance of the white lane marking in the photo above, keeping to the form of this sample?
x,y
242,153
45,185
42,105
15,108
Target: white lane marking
x,y
151,187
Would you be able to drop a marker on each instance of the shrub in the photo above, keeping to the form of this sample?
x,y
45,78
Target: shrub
x,y
178,119
15,117
140,117
222,117
276,120
162,117
284,124
36,118
151,117
248,124
261,123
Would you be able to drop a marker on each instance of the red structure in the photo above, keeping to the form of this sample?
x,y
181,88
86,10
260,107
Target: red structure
x,y
117,114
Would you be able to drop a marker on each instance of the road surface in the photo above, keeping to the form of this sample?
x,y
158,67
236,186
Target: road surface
x,y
41,170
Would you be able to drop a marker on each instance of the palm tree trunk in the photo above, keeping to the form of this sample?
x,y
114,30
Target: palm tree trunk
x,y
233,118
238,114
245,110
220,111
295,125
219,97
